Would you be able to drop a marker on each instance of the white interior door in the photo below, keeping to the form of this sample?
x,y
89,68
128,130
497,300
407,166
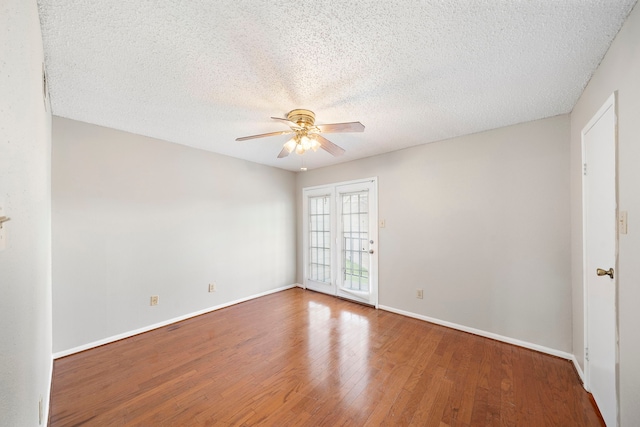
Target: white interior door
x,y
600,247
340,240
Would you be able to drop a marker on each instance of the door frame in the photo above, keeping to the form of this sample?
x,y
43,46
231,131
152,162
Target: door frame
x,y
611,102
331,189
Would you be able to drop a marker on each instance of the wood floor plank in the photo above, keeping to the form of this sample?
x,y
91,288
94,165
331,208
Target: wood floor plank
x,y
299,358
423,413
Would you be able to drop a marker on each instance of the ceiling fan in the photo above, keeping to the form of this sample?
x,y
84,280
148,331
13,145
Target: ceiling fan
x,y
306,134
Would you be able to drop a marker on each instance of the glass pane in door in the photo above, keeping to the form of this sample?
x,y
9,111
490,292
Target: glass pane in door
x,y
319,239
355,241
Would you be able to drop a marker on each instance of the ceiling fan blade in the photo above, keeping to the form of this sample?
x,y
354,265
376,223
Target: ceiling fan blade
x,y
341,127
263,135
329,146
288,147
286,121
284,153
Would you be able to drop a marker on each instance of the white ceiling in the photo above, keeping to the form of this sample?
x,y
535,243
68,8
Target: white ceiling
x,y
202,73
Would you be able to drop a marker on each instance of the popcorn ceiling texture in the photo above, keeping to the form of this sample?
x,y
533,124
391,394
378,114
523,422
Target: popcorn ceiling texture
x,y
202,73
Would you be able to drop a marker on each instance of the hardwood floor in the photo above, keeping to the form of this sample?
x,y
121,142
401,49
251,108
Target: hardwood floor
x,y
303,358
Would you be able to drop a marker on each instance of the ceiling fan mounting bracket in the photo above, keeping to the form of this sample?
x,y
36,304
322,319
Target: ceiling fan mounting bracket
x,y
303,118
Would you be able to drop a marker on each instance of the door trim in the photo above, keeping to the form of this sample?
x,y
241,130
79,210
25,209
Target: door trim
x,y
610,103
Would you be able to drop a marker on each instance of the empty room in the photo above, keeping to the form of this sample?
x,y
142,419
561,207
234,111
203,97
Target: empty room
x,y
413,212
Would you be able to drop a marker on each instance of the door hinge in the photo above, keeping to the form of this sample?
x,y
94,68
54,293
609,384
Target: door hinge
x,y
584,169
586,354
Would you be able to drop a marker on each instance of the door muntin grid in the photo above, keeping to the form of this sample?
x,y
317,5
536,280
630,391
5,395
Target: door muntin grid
x,y
355,241
320,239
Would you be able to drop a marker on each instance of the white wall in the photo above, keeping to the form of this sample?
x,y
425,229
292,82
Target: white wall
x,y
135,216
25,182
619,71
481,223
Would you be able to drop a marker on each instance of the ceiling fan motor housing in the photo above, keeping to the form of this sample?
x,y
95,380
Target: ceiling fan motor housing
x,y
303,118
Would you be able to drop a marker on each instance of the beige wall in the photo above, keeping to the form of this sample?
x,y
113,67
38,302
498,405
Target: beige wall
x,y
135,216
619,71
25,181
481,223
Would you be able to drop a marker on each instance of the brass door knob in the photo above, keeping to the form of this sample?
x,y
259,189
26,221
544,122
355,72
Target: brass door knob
x,y
601,272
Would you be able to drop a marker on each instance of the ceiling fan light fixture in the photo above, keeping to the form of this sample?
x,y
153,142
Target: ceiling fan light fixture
x,y
315,144
305,141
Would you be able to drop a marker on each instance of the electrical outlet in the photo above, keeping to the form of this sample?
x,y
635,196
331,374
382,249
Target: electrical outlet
x,y
419,293
382,223
212,287
154,299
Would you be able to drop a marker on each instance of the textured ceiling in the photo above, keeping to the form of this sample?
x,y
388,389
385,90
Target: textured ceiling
x,y
202,72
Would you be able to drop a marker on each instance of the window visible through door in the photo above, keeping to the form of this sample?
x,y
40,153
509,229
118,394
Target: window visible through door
x,y
355,235
320,239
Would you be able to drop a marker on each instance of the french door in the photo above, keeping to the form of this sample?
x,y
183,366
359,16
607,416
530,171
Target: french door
x,y
340,240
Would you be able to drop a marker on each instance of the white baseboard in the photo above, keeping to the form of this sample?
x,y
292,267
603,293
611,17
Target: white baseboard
x,y
164,323
474,331
482,333
46,400
579,370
